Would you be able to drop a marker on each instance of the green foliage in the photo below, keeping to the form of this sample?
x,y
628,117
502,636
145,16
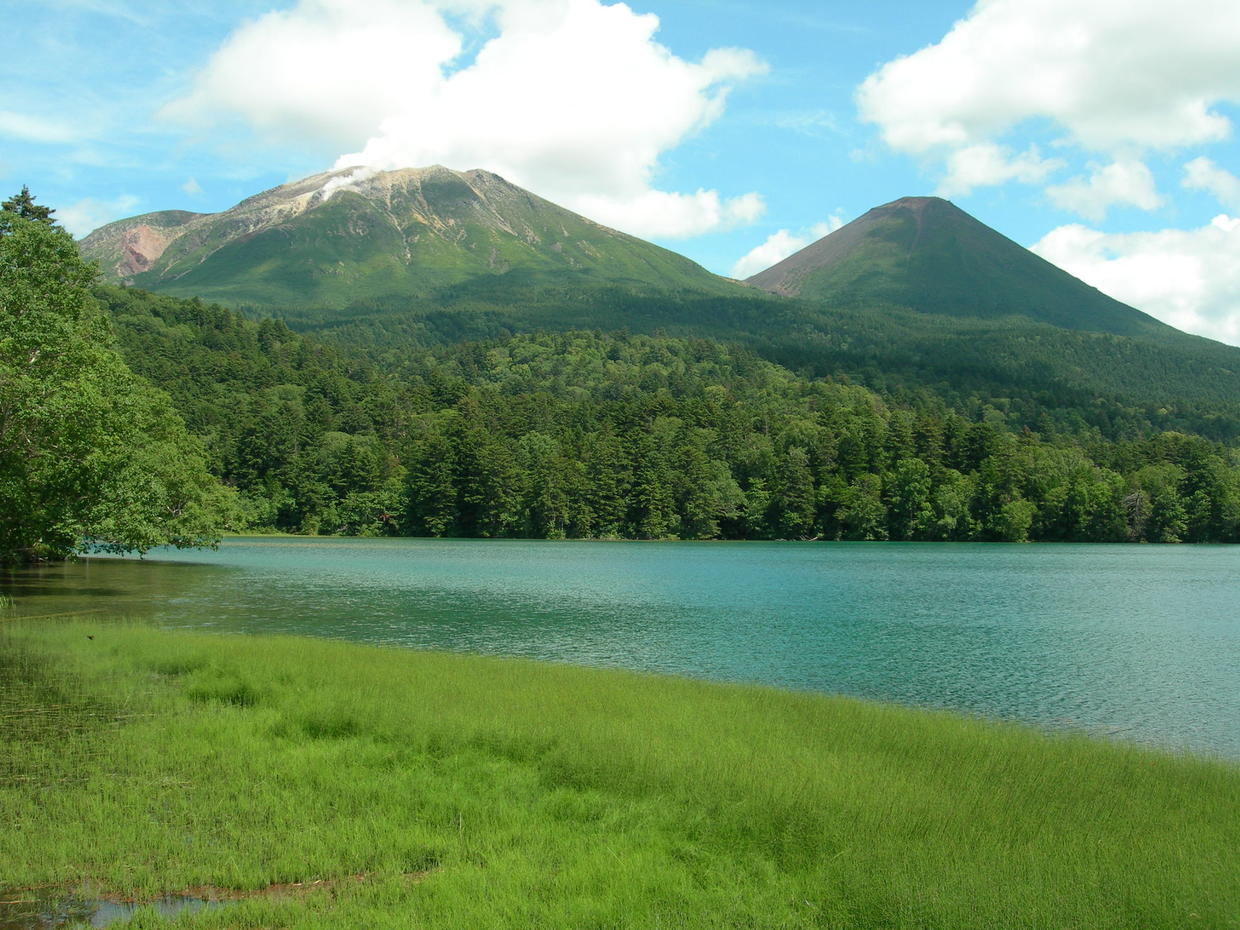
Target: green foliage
x,y
585,435
1023,372
22,204
90,455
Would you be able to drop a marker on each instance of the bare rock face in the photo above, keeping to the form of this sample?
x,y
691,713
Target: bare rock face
x,y
130,247
141,248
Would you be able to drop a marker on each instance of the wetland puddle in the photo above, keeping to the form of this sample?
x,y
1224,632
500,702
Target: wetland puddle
x,y
51,909
27,911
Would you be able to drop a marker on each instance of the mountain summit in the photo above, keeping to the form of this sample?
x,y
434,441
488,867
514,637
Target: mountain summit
x,y
337,237
926,254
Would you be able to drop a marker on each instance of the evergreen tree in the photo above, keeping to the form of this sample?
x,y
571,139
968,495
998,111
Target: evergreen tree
x,y
585,434
22,204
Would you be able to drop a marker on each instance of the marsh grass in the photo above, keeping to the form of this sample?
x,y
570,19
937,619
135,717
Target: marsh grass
x,y
535,795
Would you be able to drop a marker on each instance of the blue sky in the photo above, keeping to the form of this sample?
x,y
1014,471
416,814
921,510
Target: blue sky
x,y
1101,134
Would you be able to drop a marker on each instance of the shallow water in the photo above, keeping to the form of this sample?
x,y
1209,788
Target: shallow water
x,y
24,911
1137,642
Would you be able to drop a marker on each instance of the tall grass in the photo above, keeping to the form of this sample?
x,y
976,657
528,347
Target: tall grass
x,y
525,795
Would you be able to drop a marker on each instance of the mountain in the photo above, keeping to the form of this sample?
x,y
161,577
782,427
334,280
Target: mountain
x,y
928,255
335,238
916,298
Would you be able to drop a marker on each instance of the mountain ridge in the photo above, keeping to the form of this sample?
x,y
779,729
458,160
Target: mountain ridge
x,y
928,255
339,235
916,294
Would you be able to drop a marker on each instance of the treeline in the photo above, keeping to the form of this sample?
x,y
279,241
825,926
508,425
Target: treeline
x,y
574,435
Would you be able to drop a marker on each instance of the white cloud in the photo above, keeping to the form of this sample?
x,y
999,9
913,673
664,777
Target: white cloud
x,y
1122,183
779,245
1188,278
89,214
986,164
325,70
668,215
192,187
573,99
1107,76
35,128
1203,174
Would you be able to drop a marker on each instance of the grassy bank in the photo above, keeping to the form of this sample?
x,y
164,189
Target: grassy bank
x,y
433,790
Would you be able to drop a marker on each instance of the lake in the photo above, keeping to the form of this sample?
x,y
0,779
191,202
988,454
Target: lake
x,y
1134,642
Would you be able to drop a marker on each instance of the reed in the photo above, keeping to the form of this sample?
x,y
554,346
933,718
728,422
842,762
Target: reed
x,y
472,791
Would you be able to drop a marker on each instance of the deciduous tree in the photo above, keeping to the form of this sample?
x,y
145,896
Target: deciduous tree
x,y
91,456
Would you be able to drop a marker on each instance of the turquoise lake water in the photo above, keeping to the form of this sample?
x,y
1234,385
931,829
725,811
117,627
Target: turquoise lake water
x,y
1134,642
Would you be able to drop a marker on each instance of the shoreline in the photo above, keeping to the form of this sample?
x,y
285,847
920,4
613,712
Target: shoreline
x,y
1106,641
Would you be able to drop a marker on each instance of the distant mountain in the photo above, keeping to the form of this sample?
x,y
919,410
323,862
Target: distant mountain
x,y
928,255
339,237
915,297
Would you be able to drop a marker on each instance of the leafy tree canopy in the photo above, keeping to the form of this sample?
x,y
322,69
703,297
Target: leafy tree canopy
x,y
582,434
91,456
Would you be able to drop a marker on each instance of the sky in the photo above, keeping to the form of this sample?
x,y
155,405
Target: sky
x,y
1101,134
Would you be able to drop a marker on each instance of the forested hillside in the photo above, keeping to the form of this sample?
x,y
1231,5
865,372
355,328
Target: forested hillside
x,y
1029,374
581,434
915,297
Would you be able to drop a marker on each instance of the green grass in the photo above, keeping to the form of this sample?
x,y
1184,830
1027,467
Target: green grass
x,y
548,796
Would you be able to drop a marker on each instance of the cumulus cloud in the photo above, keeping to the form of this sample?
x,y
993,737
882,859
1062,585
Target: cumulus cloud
x,y
89,214
663,214
1203,174
1110,77
780,244
988,164
1188,278
1121,183
573,99
325,70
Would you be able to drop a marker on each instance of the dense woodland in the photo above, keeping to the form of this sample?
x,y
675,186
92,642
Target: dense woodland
x,y
1032,374
580,434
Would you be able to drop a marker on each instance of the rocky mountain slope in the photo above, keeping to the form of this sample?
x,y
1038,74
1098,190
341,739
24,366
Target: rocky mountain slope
x,y
335,238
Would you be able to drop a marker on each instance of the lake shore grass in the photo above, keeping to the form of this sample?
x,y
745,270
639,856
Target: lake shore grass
x,y
441,790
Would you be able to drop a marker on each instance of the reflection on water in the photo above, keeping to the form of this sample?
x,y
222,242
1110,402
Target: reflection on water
x,y
30,911
1141,642
118,587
